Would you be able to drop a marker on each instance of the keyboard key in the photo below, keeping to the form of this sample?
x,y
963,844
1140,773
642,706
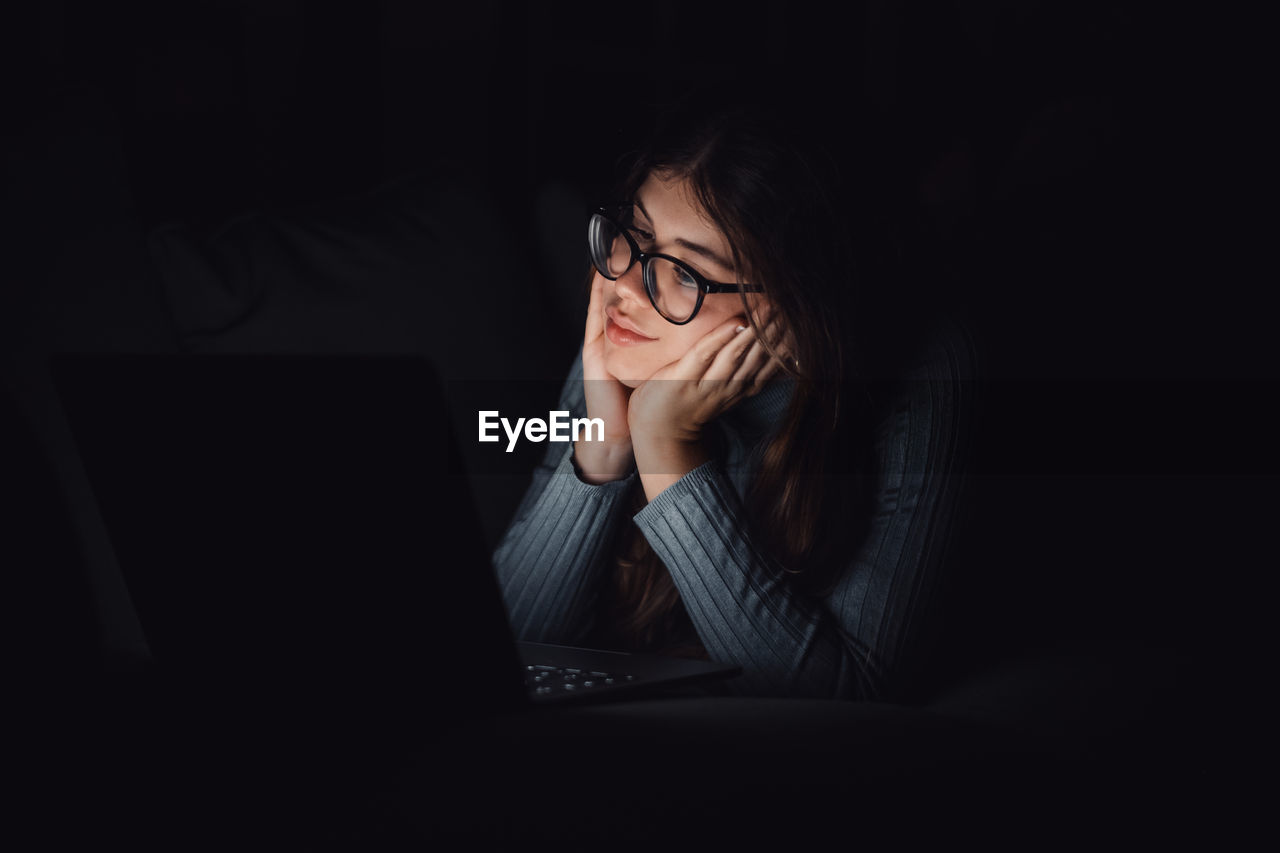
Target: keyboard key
x,y
544,679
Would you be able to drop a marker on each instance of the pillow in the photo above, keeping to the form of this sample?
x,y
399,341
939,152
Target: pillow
x,y
419,265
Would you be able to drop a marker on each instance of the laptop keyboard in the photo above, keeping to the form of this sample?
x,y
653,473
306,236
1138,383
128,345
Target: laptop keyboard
x,y
543,680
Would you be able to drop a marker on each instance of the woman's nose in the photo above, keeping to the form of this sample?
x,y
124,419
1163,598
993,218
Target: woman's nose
x,y
630,285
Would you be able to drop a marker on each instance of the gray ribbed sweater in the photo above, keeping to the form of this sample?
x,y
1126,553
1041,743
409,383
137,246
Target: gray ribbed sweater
x,y
553,554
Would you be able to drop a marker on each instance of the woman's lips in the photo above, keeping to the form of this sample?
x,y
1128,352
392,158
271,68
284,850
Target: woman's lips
x,y
622,335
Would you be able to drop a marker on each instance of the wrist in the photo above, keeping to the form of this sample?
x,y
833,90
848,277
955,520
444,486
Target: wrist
x,y
603,461
663,461
667,444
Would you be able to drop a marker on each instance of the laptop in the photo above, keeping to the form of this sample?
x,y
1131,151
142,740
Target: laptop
x,y
302,528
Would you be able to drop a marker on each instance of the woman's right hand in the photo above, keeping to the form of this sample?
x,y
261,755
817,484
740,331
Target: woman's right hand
x,y
606,398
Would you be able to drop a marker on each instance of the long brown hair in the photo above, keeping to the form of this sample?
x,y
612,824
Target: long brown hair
x,y
768,188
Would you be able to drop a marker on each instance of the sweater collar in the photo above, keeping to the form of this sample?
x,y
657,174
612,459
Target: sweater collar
x,y
763,412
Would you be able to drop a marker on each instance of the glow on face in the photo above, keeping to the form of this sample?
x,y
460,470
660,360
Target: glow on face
x,y
638,340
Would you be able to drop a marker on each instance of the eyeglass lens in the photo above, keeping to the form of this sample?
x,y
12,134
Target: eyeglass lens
x,y
673,291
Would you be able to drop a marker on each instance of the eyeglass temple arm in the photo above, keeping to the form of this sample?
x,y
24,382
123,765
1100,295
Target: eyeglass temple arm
x,y
717,287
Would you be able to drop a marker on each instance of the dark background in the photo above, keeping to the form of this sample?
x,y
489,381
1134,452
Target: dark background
x,y
1074,179
1074,170
1069,174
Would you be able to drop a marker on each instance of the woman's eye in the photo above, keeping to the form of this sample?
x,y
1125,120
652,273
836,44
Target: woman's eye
x,y
686,280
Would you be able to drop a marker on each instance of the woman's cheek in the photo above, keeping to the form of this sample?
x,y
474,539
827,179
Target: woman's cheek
x,y
689,335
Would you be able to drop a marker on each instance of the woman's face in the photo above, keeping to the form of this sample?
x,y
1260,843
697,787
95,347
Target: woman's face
x,y
638,340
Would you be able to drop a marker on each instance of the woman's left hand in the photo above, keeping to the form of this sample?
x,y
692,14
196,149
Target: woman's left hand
x,y
668,412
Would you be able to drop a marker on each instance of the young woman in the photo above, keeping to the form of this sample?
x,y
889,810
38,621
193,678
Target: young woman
x,y
720,515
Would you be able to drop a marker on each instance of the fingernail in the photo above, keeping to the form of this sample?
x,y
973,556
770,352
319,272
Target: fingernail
x,y
740,329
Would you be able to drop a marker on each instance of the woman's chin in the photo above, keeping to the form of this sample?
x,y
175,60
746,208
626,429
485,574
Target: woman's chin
x,y
626,373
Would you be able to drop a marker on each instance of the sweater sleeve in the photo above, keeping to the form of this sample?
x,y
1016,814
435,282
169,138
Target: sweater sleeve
x,y
856,640
550,558
739,599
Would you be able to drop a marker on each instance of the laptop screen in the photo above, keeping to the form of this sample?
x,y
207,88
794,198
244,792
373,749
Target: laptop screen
x,y
298,520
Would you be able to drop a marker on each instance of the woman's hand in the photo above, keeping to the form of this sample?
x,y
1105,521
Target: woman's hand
x,y
606,398
668,412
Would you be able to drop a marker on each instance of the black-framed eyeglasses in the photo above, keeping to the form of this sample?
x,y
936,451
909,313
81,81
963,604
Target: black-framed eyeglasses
x,y
675,289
